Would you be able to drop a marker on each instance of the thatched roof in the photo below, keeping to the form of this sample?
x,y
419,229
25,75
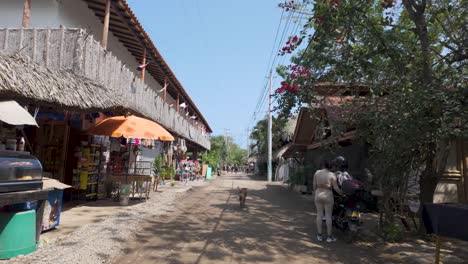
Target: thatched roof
x,y
29,82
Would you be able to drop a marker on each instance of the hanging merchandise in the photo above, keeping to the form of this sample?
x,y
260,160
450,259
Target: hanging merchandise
x,y
87,176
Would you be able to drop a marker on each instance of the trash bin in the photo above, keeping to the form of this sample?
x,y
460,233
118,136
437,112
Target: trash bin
x,y
52,210
124,194
208,173
53,205
17,233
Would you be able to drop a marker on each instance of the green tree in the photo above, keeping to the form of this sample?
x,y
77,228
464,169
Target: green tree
x,y
259,146
237,155
221,153
410,58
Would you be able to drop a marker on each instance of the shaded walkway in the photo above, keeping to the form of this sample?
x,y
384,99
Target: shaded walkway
x,y
277,226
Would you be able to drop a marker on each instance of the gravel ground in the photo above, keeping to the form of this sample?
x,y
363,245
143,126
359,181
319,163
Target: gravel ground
x,y
99,242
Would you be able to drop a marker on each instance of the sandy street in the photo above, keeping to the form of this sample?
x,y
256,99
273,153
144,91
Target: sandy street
x,y
278,226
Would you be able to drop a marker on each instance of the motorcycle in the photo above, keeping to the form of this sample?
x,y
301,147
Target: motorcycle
x,y
348,209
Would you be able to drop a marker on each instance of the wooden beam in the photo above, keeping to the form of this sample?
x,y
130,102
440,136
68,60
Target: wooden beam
x,y
139,36
143,62
165,90
105,30
177,108
26,13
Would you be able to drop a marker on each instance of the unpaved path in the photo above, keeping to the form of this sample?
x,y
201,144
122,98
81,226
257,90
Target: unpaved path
x,y
94,233
277,227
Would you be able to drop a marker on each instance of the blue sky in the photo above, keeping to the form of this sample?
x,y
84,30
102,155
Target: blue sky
x,y
219,51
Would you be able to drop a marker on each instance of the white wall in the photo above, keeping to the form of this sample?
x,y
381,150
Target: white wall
x,y
70,14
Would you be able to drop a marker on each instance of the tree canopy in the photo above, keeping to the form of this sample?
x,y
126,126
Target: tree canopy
x,y
259,145
405,63
224,151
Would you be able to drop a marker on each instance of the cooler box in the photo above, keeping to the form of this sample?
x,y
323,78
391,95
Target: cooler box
x,y
17,234
53,205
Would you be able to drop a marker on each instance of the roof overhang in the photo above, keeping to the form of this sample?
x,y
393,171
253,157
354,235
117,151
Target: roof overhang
x,y
125,26
332,140
307,121
291,151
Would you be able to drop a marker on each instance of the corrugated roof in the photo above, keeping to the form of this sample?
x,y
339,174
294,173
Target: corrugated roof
x,y
126,27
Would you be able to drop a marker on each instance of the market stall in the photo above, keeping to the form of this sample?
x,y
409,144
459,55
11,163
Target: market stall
x,y
20,183
124,171
445,220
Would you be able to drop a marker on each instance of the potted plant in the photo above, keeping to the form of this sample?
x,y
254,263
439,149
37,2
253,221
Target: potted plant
x,y
171,173
157,171
137,150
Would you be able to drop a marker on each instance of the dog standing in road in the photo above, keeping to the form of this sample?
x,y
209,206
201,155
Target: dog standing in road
x,y
242,196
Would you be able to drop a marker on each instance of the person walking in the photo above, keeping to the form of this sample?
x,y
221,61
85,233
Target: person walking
x,y
324,181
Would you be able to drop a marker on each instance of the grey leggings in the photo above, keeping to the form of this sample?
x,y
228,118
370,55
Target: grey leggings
x,y
324,202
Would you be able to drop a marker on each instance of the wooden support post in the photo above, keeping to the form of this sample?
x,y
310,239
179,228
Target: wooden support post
x,y
83,121
26,13
437,254
178,102
105,30
27,141
165,90
143,62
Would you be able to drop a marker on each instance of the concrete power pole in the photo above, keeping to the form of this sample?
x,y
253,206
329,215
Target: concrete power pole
x,y
269,162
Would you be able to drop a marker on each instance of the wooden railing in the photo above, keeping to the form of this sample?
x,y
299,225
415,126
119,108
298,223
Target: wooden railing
x,y
76,51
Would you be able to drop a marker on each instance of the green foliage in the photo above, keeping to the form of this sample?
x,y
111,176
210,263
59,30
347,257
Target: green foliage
x,y
258,135
393,232
168,172
237,155
297,176
410,59
157,165
221,153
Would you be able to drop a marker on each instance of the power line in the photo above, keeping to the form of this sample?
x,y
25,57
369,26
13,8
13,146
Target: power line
x,y
286,32
275,49
280,42
273,62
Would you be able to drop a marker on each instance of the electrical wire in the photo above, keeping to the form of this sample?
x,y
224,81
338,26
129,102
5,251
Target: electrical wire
x,y
273,61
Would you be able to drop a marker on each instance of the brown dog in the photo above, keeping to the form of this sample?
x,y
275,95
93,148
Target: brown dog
x,y
242,196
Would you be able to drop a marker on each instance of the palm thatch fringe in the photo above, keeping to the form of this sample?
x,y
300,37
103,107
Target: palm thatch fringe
x,y
30,82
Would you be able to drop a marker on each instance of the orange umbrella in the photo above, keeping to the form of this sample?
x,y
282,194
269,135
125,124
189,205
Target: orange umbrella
x,y
130,127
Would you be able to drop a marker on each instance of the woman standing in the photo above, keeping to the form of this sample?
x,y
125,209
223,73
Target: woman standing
x,y
324,181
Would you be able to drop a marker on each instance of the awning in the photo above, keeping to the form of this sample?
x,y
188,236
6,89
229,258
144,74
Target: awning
x,y
130,127
12,113
291,151
306,125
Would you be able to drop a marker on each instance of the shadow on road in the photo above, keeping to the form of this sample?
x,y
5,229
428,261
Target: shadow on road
x,y
277,226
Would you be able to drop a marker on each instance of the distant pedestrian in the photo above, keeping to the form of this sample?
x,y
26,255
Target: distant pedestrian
x,y
324,181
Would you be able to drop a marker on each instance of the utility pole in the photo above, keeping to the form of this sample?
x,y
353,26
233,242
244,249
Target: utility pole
x,y
269,162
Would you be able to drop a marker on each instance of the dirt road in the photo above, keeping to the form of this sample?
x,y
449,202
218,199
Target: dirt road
x,y
207,226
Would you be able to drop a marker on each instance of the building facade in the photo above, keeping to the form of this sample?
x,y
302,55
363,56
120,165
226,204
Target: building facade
x,y
68,35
